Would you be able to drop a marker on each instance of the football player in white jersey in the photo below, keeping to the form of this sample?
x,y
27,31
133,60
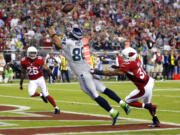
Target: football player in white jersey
x,y
90,84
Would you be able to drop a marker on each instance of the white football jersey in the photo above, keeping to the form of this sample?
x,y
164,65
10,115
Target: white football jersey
x,y
73,52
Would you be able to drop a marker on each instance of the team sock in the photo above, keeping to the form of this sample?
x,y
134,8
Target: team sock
x,y
51,100
103,103
112,95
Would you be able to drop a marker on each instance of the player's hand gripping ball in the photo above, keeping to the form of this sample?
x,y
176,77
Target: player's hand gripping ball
x,y
67,7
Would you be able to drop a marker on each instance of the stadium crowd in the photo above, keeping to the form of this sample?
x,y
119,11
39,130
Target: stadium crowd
x,y
146,25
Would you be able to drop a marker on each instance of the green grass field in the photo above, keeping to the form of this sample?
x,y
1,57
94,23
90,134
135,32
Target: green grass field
x,y
69,97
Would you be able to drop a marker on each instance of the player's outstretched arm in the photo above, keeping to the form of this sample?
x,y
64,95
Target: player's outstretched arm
x,y
23,73
52,32
107,72
113,72
54,37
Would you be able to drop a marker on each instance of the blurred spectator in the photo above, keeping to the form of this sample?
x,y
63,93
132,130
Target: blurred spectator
x,y
1,23
64,68
158,68
105,62
150,63
108,24
57,68
19,45
2,64
179,63
8,74
172,64
176,67
166,65
51,63
97,62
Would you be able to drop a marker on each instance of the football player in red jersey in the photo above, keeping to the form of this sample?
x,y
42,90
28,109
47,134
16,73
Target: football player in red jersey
x,y
32,65
132,67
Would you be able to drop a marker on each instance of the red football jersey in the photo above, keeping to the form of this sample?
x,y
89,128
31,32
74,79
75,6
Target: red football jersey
x,y
135,72
33,68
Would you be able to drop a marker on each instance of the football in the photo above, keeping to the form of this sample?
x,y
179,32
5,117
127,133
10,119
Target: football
x,y
67,7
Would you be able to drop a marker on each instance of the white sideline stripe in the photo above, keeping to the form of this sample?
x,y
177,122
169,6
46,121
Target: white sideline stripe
x,y
70,102
78,90
169,89
125,131
108,82
166,96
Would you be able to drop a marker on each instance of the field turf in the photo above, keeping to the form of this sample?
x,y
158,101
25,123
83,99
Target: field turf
x,y
70,98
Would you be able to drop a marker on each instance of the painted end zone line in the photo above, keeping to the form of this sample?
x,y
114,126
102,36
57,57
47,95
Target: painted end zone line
x,y
23,108
124,131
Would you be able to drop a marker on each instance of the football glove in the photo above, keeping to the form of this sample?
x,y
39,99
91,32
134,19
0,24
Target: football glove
x,y
114,67
96,71
48,22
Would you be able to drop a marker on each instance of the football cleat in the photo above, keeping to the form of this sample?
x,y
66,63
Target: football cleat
x,y
57,111
126,108
156,122
114,116
44,98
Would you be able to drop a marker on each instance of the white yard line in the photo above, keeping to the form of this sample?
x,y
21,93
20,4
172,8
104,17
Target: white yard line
x,y
106,82
169,89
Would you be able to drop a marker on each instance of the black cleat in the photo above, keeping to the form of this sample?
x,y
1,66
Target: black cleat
x,y
57,111
44,98
156,122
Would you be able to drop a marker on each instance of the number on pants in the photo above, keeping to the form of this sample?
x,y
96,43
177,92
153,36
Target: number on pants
x,y
32,70
77,54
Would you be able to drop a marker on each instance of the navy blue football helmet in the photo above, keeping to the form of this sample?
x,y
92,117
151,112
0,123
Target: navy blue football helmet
x,y
76,32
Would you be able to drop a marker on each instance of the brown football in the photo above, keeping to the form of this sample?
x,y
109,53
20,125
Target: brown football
x,y
67,7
